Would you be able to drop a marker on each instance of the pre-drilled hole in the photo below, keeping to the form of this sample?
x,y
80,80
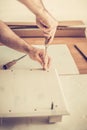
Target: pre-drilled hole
x,y
35,109
9,110
56,105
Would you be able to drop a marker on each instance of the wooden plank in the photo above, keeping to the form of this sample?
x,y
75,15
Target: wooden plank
x,y
61,32
65,28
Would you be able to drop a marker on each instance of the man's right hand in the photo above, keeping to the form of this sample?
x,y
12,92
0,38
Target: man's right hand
x,y
48,25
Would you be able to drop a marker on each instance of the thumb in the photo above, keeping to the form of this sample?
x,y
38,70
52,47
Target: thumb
x,y
45,62
39,60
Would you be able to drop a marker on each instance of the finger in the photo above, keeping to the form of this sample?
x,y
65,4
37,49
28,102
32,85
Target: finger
x,y
43,59
41,25
45,65
46,35
51,37
46,61
47,32
39,60
49,62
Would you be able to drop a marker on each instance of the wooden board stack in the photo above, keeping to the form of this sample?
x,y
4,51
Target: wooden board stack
x,y
64,29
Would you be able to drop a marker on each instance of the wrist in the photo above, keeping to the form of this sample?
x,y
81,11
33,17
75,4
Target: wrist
x,y
27,48
47,19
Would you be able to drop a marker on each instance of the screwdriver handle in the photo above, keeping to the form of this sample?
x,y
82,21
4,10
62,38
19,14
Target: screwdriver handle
x,y
9,64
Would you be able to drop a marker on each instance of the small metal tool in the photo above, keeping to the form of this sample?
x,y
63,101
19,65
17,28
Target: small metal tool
x,y
11,63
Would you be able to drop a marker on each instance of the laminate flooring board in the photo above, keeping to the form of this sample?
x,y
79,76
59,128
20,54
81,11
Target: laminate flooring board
x,y
60,55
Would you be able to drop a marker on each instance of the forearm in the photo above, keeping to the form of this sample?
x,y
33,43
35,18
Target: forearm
x,y
10,39
36,6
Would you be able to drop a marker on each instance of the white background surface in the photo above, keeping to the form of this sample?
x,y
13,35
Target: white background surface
x,y
12,10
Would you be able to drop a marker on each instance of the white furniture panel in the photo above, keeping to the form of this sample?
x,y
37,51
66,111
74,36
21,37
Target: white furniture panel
x,y
26,93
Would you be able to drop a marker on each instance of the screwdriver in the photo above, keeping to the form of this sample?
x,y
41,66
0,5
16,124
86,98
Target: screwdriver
x,y
11,63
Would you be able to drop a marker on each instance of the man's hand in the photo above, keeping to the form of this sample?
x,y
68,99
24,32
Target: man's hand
x,y
48,25
40,56
44,19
